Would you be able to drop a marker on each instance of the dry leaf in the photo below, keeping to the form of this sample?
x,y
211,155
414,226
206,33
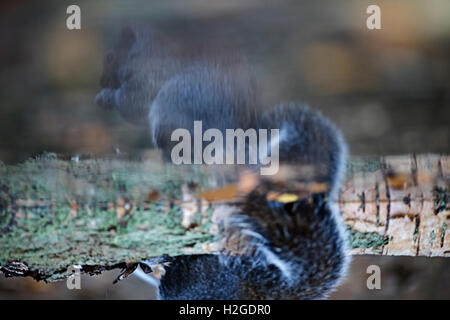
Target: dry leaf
x,y
73,209
226,193
153,195
399,181
287,198
318,187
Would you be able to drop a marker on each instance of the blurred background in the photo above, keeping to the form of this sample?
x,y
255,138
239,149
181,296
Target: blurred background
x,y
388,89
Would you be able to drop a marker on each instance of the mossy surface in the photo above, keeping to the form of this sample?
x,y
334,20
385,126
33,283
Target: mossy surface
x,y
366,240
54,214
441,199
364,165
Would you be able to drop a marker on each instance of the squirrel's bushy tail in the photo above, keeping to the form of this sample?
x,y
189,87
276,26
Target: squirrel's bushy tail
x,y
277,249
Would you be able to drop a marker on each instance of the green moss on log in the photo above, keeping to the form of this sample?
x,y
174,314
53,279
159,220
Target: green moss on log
x,y
54,214
366,240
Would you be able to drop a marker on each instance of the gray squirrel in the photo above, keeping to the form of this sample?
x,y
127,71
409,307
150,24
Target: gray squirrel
x,y
285,250
147,72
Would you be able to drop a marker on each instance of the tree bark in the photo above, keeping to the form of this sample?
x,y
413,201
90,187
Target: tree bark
x,y
405,200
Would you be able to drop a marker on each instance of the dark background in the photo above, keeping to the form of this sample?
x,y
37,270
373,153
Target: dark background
x,y
388,89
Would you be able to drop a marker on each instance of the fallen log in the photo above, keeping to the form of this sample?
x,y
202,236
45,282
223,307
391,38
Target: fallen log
x,y
107,213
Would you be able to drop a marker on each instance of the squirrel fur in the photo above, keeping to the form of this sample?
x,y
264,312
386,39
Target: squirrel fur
x,y
274,250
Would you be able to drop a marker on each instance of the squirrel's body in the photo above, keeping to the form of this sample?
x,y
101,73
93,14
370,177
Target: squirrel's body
x,y
301,255
189,96
135,70
272,250
293,250
147,72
